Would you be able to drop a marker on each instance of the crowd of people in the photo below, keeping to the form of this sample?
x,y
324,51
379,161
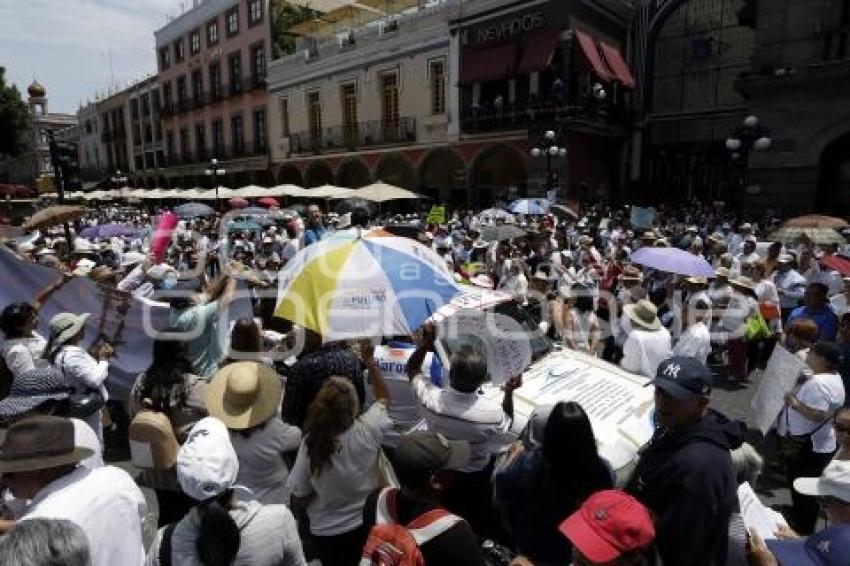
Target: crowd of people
x,y
329,455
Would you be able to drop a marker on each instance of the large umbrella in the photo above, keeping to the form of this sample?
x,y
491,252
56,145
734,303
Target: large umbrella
x,y
254,211
90,233
53,216
117,231
815,235
238,202
355,287
816,221
495,214
194,210
501,232
244,225
383,192
532,206
563,211
269,202
349,204
257,214
673,260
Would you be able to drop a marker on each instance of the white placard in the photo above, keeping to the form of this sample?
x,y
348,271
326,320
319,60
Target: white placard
x,y
779,378
757,517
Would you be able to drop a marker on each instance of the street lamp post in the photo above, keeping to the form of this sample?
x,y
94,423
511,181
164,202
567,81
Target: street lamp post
x,y
214,170
748,137
551,147
118,179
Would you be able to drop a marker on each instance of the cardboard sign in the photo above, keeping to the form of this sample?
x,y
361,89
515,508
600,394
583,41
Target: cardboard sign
x,y
437,215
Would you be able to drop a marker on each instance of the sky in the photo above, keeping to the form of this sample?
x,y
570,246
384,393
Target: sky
x,y
67,44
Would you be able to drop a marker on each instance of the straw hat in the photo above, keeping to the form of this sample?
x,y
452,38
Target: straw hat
x,y
745,284
643,313
244,394
721,272
697,280
631,273
39,443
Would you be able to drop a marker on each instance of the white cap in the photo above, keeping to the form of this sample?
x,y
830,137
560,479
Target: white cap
x,y
833,482
84,267
750,239
745,226
785,258
206,463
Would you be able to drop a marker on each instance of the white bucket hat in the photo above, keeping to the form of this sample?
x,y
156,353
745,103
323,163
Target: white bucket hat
x,y
207,464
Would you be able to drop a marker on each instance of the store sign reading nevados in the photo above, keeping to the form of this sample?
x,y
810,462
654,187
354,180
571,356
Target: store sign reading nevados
x,y
509,28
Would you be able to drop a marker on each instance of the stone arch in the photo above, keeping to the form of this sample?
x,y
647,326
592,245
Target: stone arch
x,y
495,169
833,191
442,176
263,178
319,173
161,182
395,169
289,175
353,173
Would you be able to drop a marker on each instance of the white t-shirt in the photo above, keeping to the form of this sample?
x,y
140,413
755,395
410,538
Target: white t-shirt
x,y
644,351
345,482
840,304
824,392
23,354
106,503
695,342
290,248
405,410
261,465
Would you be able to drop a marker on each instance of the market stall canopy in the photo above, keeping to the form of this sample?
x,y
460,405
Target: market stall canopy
x,y
383,192
286,191
252,191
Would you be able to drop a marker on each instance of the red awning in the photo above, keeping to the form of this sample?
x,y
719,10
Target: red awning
x,y
538,51
617,64
488,64
591,52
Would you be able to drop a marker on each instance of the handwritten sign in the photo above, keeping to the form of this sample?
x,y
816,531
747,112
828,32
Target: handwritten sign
x,y
779,378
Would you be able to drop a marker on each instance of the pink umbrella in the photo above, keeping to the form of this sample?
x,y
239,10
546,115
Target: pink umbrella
x,y
269,202
238,202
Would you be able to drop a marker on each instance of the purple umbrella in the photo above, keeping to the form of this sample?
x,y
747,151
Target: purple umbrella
x,y
673,260
90,233
117,231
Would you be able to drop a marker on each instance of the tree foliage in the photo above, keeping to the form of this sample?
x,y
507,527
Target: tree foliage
x,y
14,119
284,16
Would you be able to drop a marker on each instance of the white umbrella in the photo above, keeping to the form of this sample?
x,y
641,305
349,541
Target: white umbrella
x,y
252,191
286,191
382,192
330,191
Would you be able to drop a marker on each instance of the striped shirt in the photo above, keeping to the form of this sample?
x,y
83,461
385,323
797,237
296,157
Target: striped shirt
x,y
465,416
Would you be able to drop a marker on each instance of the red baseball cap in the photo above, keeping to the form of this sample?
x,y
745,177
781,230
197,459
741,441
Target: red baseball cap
x,y
609,524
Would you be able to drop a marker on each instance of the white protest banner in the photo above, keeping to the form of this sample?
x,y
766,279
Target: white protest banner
x,y
763,520
618,404
502,339
779,378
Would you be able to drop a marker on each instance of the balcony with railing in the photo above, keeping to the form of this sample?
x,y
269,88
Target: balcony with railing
x,y
521,115
351,136
202,156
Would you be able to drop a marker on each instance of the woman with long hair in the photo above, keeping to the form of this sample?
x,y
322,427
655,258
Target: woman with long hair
x,y
226,525
246,342
542,484
336,467
169,387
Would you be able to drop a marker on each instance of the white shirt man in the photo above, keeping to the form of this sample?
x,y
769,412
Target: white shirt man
x,y
790,284
106,503
841,302
695,342
648,343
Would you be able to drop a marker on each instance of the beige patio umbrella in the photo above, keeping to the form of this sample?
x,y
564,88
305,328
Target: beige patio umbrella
x,y
383,192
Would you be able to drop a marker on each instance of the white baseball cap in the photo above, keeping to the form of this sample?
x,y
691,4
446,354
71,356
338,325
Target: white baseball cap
x,y
206,463
834,482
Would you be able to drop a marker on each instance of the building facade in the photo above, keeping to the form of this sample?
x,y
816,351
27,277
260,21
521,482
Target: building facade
x,y
34,168
529,68
145,138
373,102
700,50
449,99
91,155
797,85
212,68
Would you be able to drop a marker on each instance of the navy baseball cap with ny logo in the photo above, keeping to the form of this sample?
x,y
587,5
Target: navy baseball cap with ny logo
x,y
683,377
